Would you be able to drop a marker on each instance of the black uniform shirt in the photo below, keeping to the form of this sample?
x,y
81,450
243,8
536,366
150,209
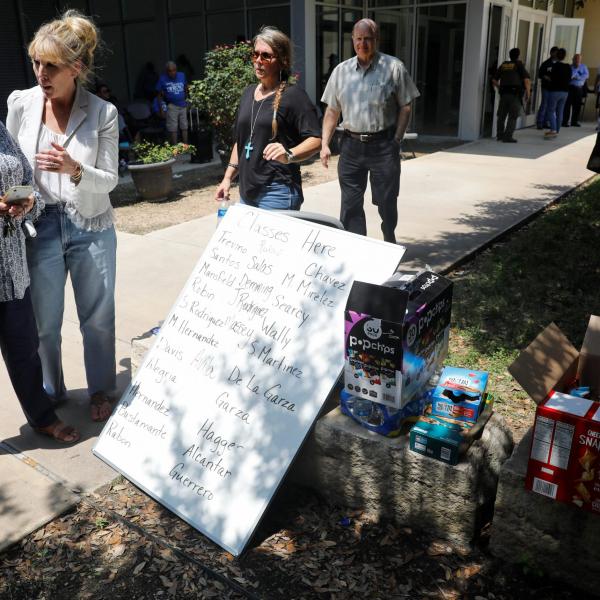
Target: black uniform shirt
x,y
511,75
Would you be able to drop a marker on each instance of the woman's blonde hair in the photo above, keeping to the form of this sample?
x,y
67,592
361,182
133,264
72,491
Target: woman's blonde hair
x,y
69,40
282,47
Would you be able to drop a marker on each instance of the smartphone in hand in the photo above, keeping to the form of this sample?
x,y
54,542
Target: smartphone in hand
x,y
18,194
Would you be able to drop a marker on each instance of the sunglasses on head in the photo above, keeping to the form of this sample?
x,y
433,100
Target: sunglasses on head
x,y
264,56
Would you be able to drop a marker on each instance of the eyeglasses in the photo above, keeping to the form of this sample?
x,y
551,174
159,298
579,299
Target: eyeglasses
x,y
264,56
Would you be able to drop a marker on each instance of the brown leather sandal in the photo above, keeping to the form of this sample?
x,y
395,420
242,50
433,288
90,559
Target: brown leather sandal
x,y
101,406
60,432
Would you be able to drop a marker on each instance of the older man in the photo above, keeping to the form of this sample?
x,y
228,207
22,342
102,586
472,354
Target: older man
x,y
172,89
373,92
579,77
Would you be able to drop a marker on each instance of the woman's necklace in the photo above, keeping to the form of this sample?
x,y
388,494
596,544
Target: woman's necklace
x,y
249,147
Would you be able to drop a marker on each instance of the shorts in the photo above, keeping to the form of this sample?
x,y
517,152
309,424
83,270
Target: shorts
x,y
176,118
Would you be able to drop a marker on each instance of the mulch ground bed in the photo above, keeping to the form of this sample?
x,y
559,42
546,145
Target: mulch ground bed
x,y
121,544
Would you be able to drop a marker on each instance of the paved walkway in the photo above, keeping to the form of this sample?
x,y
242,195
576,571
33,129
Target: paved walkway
x,y
451,203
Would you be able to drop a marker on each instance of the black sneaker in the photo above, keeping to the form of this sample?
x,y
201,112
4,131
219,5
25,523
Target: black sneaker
x,y
509,141
575,124
565,125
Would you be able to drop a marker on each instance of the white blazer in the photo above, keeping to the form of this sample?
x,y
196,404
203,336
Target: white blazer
x,y
92,138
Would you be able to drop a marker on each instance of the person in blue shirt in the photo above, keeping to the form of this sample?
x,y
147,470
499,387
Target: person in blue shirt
x,y
172,89
579,77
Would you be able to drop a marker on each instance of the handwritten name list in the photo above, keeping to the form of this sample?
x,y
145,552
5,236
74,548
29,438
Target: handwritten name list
x,y
240,369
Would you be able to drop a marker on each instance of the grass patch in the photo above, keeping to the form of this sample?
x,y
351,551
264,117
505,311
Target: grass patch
x,y
547,271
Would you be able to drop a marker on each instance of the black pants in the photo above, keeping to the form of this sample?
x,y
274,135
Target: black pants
x,y
508,110
378,159
19,344
573,105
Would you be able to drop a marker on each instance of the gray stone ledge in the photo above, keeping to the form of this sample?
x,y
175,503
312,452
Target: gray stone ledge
x,y
352,467
552,537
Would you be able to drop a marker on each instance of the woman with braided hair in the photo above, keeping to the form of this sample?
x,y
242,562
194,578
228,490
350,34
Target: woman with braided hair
x,y
276,128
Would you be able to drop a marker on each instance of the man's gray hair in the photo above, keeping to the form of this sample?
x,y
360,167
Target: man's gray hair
x,y
370,24
170,64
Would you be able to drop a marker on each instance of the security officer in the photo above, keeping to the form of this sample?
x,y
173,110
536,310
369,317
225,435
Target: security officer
x,y
374,92
515,87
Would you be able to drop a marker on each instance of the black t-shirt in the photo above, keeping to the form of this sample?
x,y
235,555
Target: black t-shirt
x,y
296,119
544,71
560,77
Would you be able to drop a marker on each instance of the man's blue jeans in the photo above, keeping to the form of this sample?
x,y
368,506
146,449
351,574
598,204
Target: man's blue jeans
x,y
542,117
556,105
89,257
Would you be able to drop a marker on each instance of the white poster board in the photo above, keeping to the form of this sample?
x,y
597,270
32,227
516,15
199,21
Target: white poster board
x,y
240,369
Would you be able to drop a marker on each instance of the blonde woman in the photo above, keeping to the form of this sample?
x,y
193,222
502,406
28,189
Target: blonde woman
x,y
70,138
276,128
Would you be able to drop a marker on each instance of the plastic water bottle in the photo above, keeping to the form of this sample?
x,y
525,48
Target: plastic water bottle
x,y
222,210
362,408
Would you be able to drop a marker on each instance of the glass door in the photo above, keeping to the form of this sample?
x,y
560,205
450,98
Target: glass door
x,y
495,49
567,34
530,40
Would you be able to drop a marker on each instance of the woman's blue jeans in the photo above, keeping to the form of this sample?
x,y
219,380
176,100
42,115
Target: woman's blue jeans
x,y
276,196
556,106
89,258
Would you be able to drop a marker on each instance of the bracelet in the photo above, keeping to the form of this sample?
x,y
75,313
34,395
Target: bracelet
x,y
76,177
233,166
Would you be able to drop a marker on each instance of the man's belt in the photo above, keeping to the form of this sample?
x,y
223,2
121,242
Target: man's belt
x,y
369,137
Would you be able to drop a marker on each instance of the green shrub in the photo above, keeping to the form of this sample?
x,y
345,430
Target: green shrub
x,y
228,70
148,153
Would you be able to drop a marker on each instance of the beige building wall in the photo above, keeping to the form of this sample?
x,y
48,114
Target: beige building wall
x,y
590,49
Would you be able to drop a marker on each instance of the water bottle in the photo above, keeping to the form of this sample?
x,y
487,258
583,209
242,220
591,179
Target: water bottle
x,y
362,408
223,206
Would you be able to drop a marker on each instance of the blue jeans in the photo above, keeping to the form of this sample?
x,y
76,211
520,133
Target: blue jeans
x,y
89,257
556,106
277,196
542,117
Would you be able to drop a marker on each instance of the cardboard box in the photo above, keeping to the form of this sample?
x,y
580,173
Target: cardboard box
x,y
564,459
459,394
446,439
396,338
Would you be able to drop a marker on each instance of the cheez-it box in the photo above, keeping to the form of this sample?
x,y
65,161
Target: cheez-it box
x,y
564,460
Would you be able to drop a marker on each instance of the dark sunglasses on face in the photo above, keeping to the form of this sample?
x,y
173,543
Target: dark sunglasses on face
x,y
264,56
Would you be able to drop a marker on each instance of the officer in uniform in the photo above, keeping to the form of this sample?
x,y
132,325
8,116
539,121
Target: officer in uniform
x,y
514,84
374,92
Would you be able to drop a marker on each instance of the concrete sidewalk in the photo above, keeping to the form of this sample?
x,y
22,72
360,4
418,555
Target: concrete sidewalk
x,y
451,203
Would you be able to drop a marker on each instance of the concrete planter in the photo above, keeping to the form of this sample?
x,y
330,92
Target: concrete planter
x,y
153,182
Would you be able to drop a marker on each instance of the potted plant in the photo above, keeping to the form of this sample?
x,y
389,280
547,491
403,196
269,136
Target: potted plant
x,y
228,70
152,171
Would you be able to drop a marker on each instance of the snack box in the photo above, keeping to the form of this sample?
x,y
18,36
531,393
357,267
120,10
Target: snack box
x,y
459,394
396,337
564,459
445,439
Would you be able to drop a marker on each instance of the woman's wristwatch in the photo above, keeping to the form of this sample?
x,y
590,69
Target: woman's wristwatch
x,y
290,155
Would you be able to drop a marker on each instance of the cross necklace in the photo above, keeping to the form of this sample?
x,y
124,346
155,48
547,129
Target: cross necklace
x,y
249,147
